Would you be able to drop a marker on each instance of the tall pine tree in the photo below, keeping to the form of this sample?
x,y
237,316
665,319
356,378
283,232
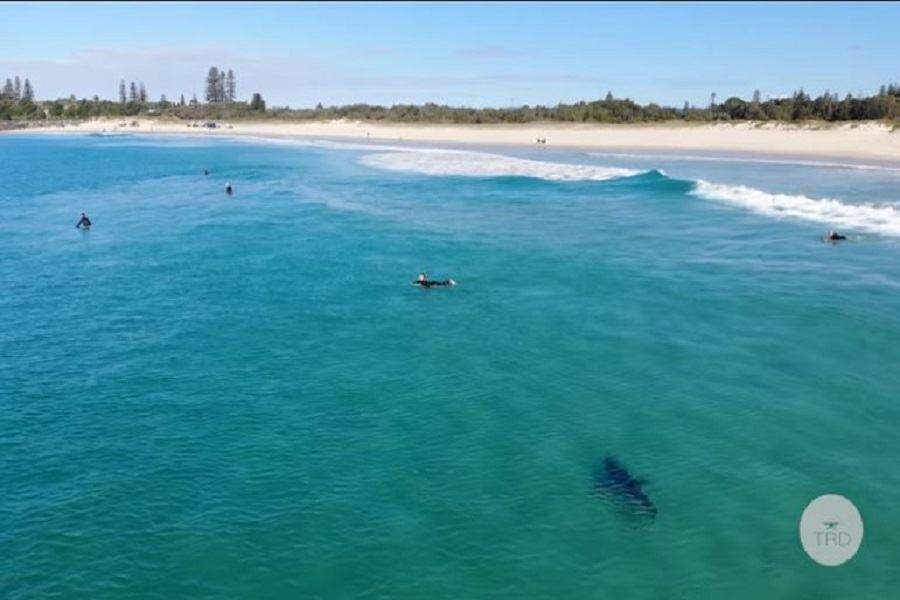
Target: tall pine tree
x,y
212,85
230,87
220,87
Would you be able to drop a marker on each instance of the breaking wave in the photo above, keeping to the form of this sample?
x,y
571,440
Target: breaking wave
x,y
880,218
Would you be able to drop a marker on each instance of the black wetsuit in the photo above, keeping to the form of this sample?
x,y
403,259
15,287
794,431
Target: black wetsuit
x,y
427,283
835,237
228,190
84,222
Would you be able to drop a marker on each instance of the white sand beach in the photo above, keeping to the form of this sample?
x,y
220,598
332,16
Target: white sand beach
x,y
863,141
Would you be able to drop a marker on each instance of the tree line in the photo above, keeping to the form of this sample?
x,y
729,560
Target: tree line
x,y
220,86
797,108
17,103
17,99
14,91
135,94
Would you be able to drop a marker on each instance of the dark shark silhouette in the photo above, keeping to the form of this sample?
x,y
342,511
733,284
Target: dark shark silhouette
x,y
614,483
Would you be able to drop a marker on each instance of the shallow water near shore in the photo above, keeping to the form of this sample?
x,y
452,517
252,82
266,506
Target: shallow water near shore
x,y
208,396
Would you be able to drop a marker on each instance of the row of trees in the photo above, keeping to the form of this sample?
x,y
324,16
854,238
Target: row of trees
x,y
220,86
799,107
134,94
14,91
17,102
802,107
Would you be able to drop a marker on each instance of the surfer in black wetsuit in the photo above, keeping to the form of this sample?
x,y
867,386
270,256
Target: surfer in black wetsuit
x,y
424,282
83,222
834,236
228,189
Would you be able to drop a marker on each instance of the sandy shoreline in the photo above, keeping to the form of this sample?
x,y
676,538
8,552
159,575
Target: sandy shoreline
x,y
858,142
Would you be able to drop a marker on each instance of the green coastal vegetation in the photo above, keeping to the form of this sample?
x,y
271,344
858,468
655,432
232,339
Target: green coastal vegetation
x,y
19,107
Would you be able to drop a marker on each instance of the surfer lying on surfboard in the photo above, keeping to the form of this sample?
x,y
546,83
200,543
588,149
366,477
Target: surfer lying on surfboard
x,y
834,236
423,281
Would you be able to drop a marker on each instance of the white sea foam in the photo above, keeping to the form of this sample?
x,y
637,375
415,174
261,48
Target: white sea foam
x,y
481,164
766,161
882,219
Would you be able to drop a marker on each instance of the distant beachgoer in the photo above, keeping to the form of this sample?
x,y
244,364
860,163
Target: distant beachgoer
x,y
84,222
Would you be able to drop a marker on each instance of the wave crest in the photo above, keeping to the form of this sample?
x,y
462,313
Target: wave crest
x,y
883,219
481,164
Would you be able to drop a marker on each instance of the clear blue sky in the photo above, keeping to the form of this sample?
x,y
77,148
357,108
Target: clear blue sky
x,y
459,53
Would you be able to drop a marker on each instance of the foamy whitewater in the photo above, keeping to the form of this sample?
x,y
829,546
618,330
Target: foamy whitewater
x,y
213,396
868,216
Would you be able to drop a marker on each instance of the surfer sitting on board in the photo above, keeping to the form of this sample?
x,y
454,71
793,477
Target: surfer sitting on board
x,y
83,222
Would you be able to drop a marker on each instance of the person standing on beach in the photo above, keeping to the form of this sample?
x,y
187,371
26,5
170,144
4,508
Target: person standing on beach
x,y
84,222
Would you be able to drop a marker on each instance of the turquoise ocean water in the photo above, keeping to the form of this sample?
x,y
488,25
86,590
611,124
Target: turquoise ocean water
x,y
243,397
